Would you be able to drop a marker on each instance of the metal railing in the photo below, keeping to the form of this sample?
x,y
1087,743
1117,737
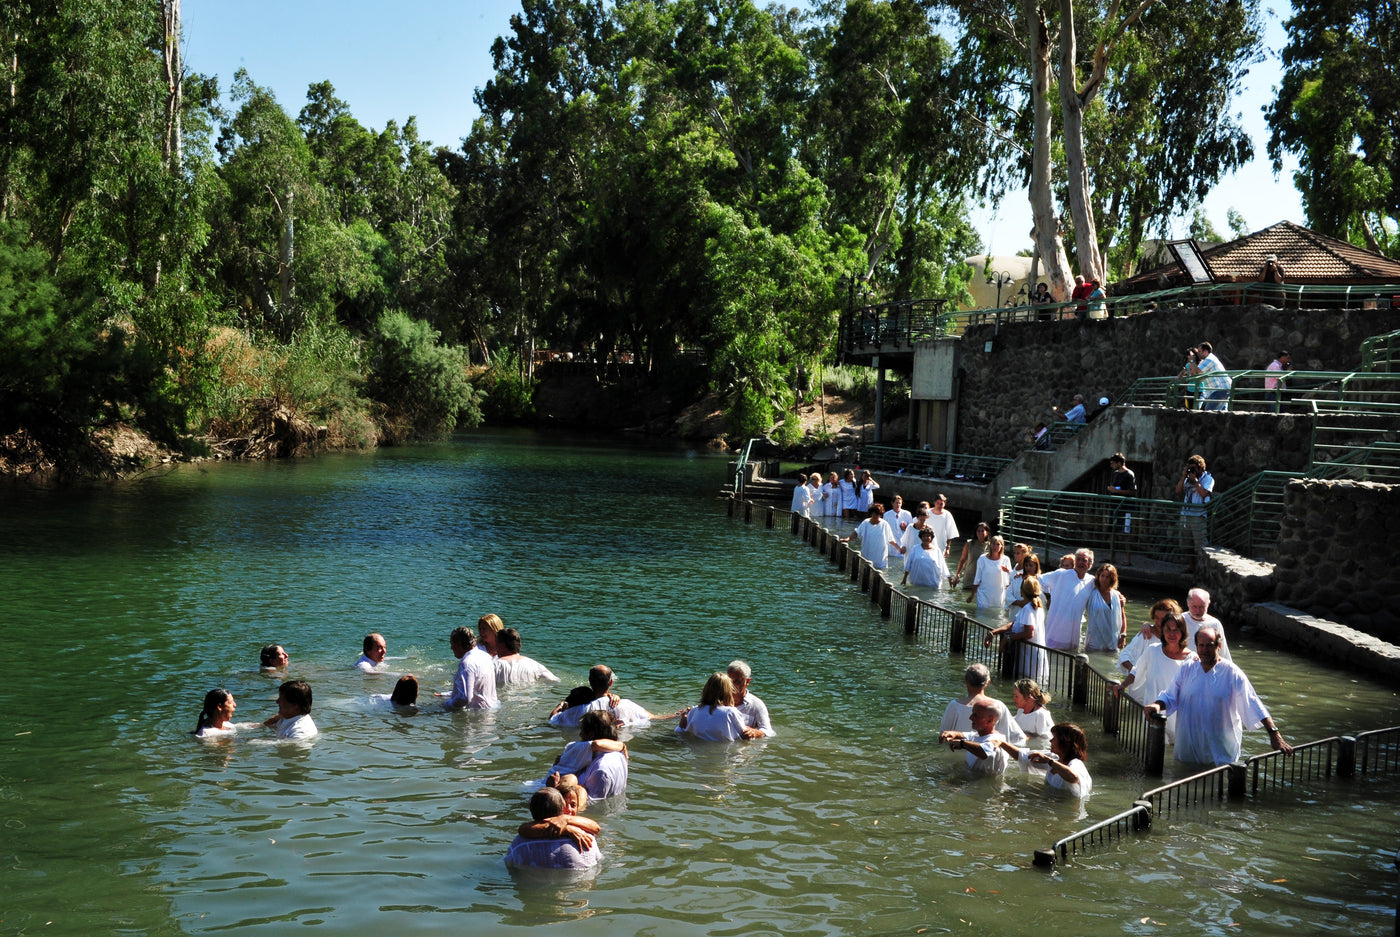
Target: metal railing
x,y
1381,352
953,466
1342,392
1309,761
900,324
1378,751
1207,789
1136,819
1056,522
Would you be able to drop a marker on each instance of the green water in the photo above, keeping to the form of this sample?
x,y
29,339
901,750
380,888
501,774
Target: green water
x,y
124,605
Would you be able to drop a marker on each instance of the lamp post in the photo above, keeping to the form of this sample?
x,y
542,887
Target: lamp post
x,y
1001,279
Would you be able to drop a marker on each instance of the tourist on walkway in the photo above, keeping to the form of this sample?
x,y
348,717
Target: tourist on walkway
x,y
1076,413
1122,481
1195,489
1069,591
1214,383
1213,700
1107,618
1273,386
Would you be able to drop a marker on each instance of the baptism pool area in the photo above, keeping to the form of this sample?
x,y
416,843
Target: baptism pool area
x,y
126,603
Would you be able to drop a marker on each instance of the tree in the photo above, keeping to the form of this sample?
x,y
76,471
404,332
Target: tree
x,y
1338,110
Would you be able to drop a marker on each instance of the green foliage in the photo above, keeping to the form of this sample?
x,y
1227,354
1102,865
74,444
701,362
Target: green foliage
x,y
508,395
1338,110
422,385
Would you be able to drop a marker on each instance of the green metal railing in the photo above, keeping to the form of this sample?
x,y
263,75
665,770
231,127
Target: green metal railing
x,y
954,466
1363,392
1381,353
1288,296
1059,522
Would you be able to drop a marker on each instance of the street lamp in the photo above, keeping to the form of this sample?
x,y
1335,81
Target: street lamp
x,y
1001,279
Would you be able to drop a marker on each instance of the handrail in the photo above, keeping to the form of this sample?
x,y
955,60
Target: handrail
x,y
955,466
1381,353
1054,522
739,466
1333,391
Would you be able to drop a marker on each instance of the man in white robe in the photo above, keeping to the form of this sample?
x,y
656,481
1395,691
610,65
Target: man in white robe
x,y
1069,591
1213,700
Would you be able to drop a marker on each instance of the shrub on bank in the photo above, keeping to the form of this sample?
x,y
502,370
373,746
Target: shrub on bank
x,y
421,385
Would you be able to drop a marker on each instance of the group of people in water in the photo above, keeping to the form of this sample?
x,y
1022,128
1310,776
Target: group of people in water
x,y
591,769
1178,664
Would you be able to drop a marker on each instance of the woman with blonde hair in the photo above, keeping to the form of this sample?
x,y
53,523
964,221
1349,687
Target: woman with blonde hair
x,y
716,719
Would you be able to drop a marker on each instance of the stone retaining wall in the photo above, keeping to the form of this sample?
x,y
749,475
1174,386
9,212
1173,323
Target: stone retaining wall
x,y
1036,365
1337,556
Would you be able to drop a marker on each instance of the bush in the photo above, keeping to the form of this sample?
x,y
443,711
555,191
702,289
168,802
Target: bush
x,y
509,394
422,385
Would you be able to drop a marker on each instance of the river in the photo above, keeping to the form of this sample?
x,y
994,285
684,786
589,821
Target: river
x,y
124,604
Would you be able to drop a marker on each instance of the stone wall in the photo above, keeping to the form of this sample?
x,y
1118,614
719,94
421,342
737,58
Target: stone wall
x,y
1234,445
1336,553
1036,365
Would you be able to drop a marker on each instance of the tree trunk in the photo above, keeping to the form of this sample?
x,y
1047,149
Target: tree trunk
x,y
284,275
1086,235
1048,243
173,149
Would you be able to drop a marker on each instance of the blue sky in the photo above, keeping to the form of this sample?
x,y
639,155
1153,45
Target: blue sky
x,y
390,61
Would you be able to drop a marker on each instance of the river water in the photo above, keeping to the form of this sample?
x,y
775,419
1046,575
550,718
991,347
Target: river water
x,y
123,605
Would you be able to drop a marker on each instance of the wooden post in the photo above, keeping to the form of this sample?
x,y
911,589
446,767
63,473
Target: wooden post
x,y
886,597
1079,689
771,518
1236,778
1111,705
856,561
1346,757
911,616
794,522
748,512
957,639
1154,761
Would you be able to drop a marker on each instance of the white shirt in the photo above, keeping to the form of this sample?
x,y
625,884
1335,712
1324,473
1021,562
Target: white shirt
x,y
958,718
474,687
994,761
627,712
561,853
515,671
713,724
296,729
366,665
755,713
606,776
1194,624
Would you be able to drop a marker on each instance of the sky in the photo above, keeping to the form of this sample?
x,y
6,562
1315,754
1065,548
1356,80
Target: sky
x,y
390,61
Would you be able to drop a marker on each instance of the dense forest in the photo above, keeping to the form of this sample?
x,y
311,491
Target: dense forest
x,y
693,187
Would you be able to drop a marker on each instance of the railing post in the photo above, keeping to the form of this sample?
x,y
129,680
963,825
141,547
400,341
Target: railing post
x,y
731,505
1236,779
911,616
1079,689
1155,760
1045,859
1111,703
1346,757
1142,820
748,512
856,562
772,516
886,597
795,523
957,638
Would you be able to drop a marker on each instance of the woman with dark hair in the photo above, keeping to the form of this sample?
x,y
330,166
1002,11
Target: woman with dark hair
x,y
215,718
1156,670
272,657
1066,767
973,550
514,668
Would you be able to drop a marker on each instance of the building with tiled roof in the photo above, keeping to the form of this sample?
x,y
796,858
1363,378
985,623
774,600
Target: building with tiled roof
x,y
1301,256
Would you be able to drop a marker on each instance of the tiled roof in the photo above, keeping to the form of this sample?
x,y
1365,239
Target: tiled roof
x,y
1304,256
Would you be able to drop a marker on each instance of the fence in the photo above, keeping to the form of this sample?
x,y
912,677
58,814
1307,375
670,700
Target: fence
x,y
956,466
1072,677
